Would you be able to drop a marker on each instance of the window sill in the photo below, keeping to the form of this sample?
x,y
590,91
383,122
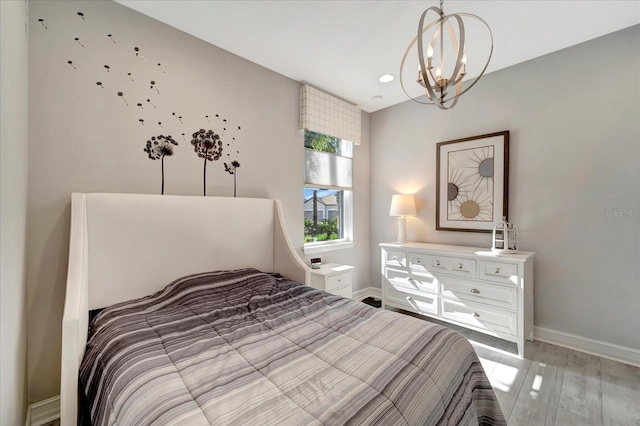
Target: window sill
x,y
321,248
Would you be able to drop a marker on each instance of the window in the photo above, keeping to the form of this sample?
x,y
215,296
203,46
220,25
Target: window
x,y
327,192
331,127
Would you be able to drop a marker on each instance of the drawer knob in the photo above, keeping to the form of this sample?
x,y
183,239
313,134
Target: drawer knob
x,y
417,260
460,267
497,270
437,263
395,257
475,314
475,291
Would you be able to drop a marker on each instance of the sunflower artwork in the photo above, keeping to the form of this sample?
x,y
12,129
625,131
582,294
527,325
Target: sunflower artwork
x,y
472,175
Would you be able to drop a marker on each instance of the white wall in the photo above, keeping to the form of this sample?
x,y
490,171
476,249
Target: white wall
x,y
13,207
574,156
86,139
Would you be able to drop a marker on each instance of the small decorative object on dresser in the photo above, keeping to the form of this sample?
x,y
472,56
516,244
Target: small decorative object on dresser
x,y
505,239
334,278
467,286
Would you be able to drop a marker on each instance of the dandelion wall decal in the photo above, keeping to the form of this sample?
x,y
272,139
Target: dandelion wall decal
x,y
140,105
160,123
111,37
141,121
232,169
80,14
207,117
138,53
153,86
107,67
160,66
151,103
183,138
130,76
79,42
99,83
158,148
122,96
180,119
42,22
71,63
207,144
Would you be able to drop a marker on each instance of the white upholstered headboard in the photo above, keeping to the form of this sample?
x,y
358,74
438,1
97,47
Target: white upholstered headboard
x,y
124,246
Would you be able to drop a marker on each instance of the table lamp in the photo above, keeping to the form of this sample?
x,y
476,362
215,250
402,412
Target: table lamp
x,y
402,206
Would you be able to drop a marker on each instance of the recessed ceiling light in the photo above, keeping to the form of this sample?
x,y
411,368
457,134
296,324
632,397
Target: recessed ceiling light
x,y
386,78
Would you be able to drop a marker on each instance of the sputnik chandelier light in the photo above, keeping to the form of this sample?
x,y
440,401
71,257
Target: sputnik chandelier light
x,y
443,64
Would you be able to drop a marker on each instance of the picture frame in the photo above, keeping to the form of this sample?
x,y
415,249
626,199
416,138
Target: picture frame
x,y
472,182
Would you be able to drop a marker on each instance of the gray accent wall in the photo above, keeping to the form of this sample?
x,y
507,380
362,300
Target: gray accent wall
x,y
84,138
574,122
13,206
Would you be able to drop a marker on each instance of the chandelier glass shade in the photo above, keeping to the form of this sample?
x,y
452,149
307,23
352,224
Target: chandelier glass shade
x,y
442,59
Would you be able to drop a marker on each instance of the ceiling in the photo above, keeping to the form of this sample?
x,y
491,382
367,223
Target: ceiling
x,y
342,47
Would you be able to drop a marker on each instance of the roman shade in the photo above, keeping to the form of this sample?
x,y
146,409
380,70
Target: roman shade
x,y
326,114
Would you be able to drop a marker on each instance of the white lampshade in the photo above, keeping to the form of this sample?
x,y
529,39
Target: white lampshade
x,y
402,205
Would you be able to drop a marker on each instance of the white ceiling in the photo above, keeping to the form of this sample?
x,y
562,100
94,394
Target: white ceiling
x,y
342,47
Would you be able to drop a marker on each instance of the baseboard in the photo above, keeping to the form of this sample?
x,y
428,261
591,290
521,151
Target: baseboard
x,y
367,292
43,412
594,347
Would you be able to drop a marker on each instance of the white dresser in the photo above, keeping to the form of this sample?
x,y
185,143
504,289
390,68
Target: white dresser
x,y
468,286
334,278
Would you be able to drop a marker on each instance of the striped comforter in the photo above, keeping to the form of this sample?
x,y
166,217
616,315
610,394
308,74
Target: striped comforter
x,y
245,347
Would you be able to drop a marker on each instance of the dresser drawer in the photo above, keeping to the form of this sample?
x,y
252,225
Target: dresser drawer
x,y
480,316
396,258
476,291
339,280
405,280
460,267
499,272
423,303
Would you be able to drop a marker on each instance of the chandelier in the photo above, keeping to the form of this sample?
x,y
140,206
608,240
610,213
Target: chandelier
x,y
441,72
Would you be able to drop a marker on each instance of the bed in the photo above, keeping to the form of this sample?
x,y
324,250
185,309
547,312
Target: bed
x,y
205,318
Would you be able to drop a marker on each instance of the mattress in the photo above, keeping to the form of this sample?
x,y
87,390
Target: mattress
x,y
247,347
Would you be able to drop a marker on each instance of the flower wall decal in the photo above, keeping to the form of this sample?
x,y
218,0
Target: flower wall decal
x,y
232,169
208,145
147,107
159,147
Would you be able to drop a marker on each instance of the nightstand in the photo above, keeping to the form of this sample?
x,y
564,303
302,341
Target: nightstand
x,y
334,278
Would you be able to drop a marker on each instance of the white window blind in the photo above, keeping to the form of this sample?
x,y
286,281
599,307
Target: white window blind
x,y
326,170
326,114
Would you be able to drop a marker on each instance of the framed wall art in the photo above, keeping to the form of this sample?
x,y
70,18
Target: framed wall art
x,y
472,182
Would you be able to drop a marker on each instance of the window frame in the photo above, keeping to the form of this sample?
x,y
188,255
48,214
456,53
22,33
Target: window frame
x,y
347,233
346,150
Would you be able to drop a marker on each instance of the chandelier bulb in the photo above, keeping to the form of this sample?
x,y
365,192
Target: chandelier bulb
x,y
430,52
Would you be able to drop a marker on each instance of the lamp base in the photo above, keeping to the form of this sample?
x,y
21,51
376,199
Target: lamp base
x,y
402,229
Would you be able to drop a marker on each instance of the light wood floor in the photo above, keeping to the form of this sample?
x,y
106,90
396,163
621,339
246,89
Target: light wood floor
x,y
552,385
